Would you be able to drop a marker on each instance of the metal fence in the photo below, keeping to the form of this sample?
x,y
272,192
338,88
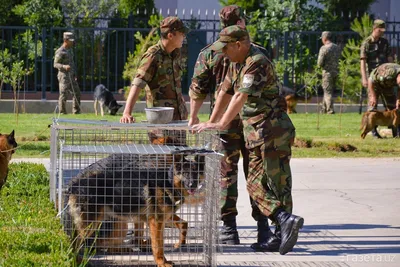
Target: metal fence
x,y
101,53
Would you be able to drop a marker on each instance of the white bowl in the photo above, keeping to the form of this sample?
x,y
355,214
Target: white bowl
x,y
159,115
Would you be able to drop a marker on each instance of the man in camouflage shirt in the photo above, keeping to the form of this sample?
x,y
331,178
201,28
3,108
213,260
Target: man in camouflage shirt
x,y
268,130
385,81
160,73
67,78
209,72
328,60
374,51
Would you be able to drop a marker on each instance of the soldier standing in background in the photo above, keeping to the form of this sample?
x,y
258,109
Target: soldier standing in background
x,y
328,60
251,88
375,51
67,77
209,73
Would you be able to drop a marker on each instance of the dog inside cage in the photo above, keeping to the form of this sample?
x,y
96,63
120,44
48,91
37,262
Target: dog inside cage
x,y
141,195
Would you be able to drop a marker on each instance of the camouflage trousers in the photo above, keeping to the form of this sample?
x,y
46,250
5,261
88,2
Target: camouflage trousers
x,y
234,146
389,97
328,85
270,178
68,90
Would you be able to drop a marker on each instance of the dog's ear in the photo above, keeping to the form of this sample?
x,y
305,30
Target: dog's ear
x,y
11,135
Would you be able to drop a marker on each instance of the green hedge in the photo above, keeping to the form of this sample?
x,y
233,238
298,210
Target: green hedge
x,y
30,233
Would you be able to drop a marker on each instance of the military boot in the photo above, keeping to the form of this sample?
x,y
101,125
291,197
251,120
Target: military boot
x,y
290,225
396,131
375,133
228,234
266,240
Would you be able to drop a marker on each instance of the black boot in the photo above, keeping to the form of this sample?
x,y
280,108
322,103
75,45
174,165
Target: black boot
x,y
396,131
228,234
266,240
290,225
375,133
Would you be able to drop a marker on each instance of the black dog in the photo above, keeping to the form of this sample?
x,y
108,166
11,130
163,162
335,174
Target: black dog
x,y
126,187
103,96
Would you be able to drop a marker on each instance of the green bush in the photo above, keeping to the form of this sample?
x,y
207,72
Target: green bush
x,y
30,233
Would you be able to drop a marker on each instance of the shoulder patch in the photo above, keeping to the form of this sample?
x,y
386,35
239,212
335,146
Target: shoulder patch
x,y
248,80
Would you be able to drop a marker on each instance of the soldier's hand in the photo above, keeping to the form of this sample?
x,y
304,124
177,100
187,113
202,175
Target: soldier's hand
x,y
127,118
194,120
372,101
67,67
365,83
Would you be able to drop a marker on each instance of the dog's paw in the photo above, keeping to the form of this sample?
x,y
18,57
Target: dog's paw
x,y
179,244
166,264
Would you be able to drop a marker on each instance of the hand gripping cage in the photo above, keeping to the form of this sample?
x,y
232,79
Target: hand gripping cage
x,y
136,194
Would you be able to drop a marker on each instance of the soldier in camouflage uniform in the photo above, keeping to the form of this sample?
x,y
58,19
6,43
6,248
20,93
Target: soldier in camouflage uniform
x,y
385,81
160,73
209,72
268,130
374,51
67,78
328,60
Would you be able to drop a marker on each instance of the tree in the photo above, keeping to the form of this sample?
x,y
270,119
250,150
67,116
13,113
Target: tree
x,y
7,17
346,10
40,13
248,5
126,7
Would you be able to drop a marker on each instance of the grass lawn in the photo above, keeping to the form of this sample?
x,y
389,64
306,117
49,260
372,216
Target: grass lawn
x,y
327,135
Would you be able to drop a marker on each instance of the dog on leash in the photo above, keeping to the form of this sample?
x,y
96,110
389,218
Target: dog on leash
x,y
7,148
104,97
292,98
371,119
128,188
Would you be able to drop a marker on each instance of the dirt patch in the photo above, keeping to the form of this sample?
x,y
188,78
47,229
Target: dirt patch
x,y
309,143
302,143
342,147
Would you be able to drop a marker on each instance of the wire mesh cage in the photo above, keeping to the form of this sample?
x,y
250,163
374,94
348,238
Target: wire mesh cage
x,y
137,195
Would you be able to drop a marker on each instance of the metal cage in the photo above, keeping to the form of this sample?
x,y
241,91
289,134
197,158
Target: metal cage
x,y
115,186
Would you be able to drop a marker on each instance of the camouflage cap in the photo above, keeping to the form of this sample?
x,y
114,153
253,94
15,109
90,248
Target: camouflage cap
x,y
378,23
229,34
69,36
326,34
229,15
172,24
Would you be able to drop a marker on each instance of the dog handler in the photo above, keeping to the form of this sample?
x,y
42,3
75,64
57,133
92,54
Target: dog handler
x,y
268,130
67,78
209,73
160,69
385,81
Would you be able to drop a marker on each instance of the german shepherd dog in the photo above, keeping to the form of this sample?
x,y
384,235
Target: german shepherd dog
x,y
103,96
292,98
131,188
7,148
371,119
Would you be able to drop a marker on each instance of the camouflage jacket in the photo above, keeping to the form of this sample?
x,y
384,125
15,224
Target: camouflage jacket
x,y
263,114
328,59
385,76
209,73
162,73
375,52
62,57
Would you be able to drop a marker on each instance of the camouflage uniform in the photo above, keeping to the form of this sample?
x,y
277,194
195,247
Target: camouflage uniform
x,y
162,73
268,131
385,84
209,72
375,52
328,59
67,79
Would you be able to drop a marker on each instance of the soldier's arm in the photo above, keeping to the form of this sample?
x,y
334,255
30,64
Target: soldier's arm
x,y
224,96
200,86
371,92
144,75
58,60
363,63
321,57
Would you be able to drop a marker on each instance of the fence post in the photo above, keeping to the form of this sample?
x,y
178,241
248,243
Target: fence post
x,y
285,57
44,62
130,35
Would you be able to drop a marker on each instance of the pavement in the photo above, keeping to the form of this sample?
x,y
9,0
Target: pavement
x,y
351,209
